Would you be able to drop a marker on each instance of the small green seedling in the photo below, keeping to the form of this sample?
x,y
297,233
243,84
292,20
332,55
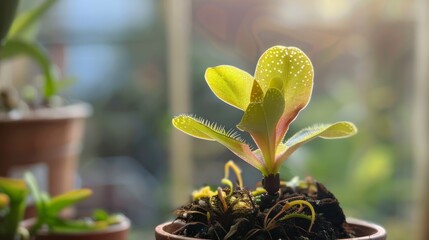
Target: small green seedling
x,y
13,196
270,100
49,209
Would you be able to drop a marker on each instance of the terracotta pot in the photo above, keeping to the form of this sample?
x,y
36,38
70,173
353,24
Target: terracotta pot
x,y
363,229
366,230
47,141
115,232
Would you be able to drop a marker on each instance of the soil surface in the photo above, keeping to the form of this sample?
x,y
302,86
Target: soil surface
x,y
240,215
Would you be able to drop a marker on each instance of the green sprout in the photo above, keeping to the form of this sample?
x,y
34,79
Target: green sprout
x,y
49,209
270,100
13,196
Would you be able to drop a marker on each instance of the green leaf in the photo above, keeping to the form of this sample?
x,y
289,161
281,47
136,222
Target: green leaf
x,y
327,131
257,95
58,225
100,215
230,84
260,121
16,189
202,129
27,19
7,15
14,47
288,69
13,194
39,200
58,203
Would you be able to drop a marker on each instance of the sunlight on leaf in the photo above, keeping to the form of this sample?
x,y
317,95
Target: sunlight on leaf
x,y
208,131
271,100
277,83
327,131
230,84
291,66
336,130
257,94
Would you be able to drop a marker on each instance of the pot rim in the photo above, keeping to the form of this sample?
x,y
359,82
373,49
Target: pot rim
x,y
70,111
379,231
159,230
123,225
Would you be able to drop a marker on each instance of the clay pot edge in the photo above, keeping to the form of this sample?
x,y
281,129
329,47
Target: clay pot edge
x,y
380,232
123,225
73,110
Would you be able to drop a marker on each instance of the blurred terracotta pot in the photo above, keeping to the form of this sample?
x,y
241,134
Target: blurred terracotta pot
x,y
364,230
115,232
45,140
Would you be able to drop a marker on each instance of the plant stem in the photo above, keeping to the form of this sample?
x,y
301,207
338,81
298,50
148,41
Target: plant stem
x,y
9,227
271,183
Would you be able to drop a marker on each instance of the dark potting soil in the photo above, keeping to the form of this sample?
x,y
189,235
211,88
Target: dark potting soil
x,y
242,216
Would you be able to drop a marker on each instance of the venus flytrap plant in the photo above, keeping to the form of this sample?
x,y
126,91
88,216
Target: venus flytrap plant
x,y
271,99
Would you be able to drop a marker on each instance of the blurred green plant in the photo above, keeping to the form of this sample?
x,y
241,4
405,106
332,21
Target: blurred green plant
x,y
49,209
13,194
271,100
20,40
